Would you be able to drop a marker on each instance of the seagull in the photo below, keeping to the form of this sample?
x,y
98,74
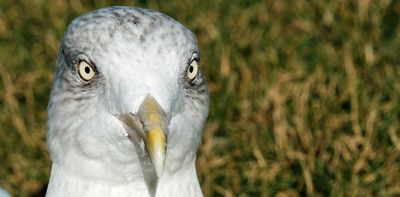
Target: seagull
x,y
4,193
127,107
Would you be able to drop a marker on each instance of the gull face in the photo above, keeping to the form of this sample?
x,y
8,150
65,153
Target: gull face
x,y
128,100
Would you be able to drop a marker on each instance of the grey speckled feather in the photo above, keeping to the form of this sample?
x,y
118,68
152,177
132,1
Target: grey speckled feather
x,y
134,54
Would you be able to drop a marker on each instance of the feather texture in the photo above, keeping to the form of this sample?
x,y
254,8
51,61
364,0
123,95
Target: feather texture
x,y
134,53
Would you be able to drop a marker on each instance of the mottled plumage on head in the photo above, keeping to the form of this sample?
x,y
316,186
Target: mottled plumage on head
x,y
129,55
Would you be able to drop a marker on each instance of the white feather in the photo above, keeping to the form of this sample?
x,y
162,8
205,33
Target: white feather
x,y
136,52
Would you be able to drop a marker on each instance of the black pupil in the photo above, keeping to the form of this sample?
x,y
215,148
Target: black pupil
x,y
87,70
191,69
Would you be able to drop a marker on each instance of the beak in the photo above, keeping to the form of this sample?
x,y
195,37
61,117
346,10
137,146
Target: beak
x,y
149,124
151,115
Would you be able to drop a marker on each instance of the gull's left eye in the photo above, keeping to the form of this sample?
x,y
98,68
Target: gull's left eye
x,y
192,70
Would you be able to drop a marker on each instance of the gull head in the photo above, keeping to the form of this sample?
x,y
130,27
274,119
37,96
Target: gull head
x,y
129,100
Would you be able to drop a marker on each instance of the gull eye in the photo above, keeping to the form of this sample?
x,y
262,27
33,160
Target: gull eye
x,y
192,70
85,71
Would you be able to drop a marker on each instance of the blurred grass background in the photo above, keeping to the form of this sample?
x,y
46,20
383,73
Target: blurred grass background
x,y
305,94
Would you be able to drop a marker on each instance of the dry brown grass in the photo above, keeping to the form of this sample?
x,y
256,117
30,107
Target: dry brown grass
x,y
305,94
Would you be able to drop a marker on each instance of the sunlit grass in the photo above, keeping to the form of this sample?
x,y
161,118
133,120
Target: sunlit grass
x,y
305,94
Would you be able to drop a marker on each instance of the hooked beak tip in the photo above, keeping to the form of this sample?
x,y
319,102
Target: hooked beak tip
x,y
149,126
156,146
